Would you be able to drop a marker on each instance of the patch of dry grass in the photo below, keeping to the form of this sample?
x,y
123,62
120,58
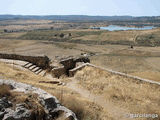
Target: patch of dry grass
x,y
85,110
4,90
31,102
121,91
134,65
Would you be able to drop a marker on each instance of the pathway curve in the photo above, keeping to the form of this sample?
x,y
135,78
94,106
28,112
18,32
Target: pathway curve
x,y
117,113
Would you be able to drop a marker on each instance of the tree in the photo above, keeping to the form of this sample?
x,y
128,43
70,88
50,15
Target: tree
x,y
56,35
70,34
132,46
61,35
5,30
51,28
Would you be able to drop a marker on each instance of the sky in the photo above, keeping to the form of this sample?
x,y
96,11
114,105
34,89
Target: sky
x,y
81,7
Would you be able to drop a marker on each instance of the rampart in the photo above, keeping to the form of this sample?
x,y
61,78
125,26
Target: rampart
x,y
40,61
72,72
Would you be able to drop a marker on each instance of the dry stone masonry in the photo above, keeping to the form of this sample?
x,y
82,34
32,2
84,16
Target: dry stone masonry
x,y
64,65
40,61
67,64
61,65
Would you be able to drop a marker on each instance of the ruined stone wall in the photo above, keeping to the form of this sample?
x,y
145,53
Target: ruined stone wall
x,y
67,65
73,72
40,61
58,72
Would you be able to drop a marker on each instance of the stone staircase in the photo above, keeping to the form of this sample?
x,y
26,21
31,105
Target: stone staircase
x,y
25,65
37,70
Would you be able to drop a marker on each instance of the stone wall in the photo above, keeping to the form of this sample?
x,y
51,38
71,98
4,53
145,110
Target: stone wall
x,y
72,72
58,72
40,61
67,65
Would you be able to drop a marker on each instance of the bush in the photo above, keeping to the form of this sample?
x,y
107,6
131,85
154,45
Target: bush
x,y
5,30
61,35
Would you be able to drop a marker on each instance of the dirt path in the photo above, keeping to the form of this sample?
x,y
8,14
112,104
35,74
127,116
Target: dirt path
x,y
117,113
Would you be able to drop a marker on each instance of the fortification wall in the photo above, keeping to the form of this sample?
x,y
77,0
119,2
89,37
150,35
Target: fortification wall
x,y
141,80
40,61
67,65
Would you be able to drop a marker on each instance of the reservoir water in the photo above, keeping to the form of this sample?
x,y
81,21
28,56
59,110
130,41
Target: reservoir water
x,y
114,27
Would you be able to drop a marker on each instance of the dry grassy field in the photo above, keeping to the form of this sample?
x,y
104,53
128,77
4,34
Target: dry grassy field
x,y
84,109
95,93
126,93
137,61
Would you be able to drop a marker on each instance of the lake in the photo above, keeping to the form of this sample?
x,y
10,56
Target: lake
x,y
114,27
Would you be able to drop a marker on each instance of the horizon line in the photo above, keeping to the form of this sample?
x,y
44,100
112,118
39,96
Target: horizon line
x,y
85,15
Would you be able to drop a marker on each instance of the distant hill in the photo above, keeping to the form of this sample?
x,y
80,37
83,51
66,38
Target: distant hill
x,y
65,17
111,20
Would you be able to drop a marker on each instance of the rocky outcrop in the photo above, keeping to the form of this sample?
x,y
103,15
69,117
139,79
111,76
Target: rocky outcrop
x,y
40,61
20,113
53,109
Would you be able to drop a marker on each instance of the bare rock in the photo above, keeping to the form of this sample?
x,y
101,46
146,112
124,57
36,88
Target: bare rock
x,y
52,107
4,103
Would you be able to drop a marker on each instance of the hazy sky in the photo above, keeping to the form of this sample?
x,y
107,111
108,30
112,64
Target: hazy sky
x,y
81,7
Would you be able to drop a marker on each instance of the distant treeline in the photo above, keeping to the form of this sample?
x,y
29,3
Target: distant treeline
x,y
114,20
138,22
79,17
64,17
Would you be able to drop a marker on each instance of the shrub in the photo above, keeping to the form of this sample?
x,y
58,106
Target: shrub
x,y
61,35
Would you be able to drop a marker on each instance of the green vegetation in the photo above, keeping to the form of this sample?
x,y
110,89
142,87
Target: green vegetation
x,y
71,36
51,35
151,39
88,36
144,38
